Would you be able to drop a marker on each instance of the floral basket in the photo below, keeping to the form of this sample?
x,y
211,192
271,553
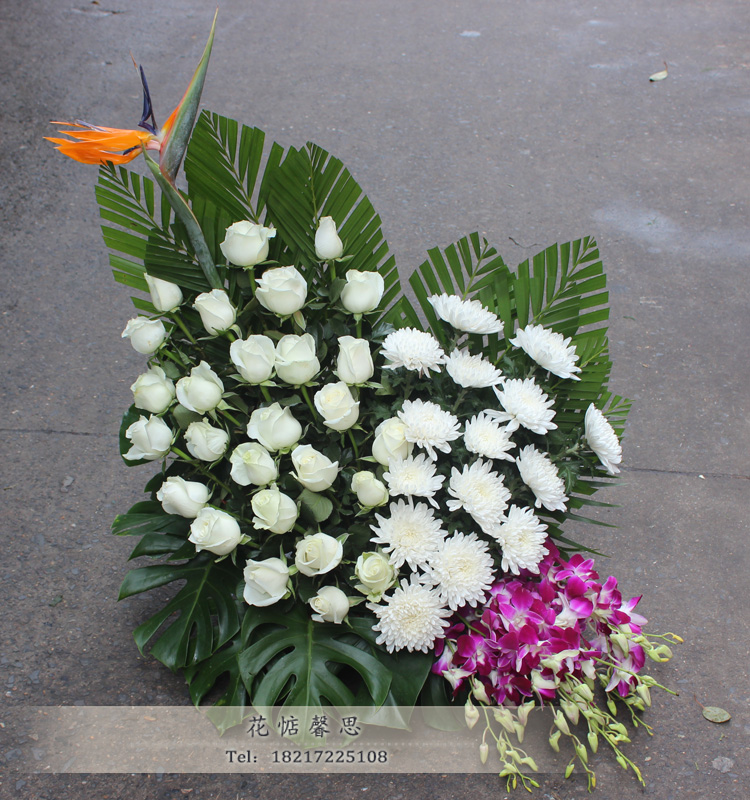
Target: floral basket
x,y
362,490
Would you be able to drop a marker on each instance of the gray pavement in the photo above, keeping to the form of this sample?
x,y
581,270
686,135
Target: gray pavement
x,y
531,122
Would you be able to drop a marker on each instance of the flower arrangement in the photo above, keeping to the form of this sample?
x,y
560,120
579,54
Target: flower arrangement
x,y
363,498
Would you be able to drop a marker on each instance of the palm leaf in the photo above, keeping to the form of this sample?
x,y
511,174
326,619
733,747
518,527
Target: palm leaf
x,y
310,183
563,288
463,268
147,243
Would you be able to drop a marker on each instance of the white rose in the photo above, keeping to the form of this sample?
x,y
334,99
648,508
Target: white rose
x,y
265,581
201,391
315,471
254,357
363,291
153,391
151,439
390,441
282,290
296,362
330,604
186,498
165,296
354,364
246,244
252,463
274,511
217,312
215,531
146,335
375,572
327,243
317,554
274,427
369,490
337,406
206,442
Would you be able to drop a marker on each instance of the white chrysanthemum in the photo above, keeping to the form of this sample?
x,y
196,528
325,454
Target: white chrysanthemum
x,y
540,475
485,437
525,404
414,350
549,349
465,315
522,538
602,439
429,426
413,476
411,618
480,492
410,534
462,570
472,372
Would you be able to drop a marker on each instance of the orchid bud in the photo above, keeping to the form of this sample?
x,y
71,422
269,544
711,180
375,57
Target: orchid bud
x,y
584,692
479,692
484,751
561,724
621,641
644,693
471,715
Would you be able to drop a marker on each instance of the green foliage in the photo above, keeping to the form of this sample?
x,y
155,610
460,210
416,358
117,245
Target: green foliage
x,y
277,654
205,606
463,268
291,660
153,240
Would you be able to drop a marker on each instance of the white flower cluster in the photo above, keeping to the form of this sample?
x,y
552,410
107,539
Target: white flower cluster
x,y
445,571
421,568
273,432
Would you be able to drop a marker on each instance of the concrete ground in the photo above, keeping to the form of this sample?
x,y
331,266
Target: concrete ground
x,y
531,122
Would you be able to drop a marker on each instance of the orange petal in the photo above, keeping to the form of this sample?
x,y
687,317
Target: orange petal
x,y
98,145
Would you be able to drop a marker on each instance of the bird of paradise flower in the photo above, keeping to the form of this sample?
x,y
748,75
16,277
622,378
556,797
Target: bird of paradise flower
x,y
97,144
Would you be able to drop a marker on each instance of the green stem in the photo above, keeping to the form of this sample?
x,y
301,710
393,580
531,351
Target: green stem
x,y
460,397
197,464
173,357
354,443
231,417
176,317
266,393
358,326
309,402
468,624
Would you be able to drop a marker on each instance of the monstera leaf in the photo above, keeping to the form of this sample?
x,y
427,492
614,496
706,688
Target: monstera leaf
x,y
205,608
291,660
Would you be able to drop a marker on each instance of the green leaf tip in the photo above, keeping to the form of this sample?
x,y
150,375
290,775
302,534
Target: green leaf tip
x,y
178,134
